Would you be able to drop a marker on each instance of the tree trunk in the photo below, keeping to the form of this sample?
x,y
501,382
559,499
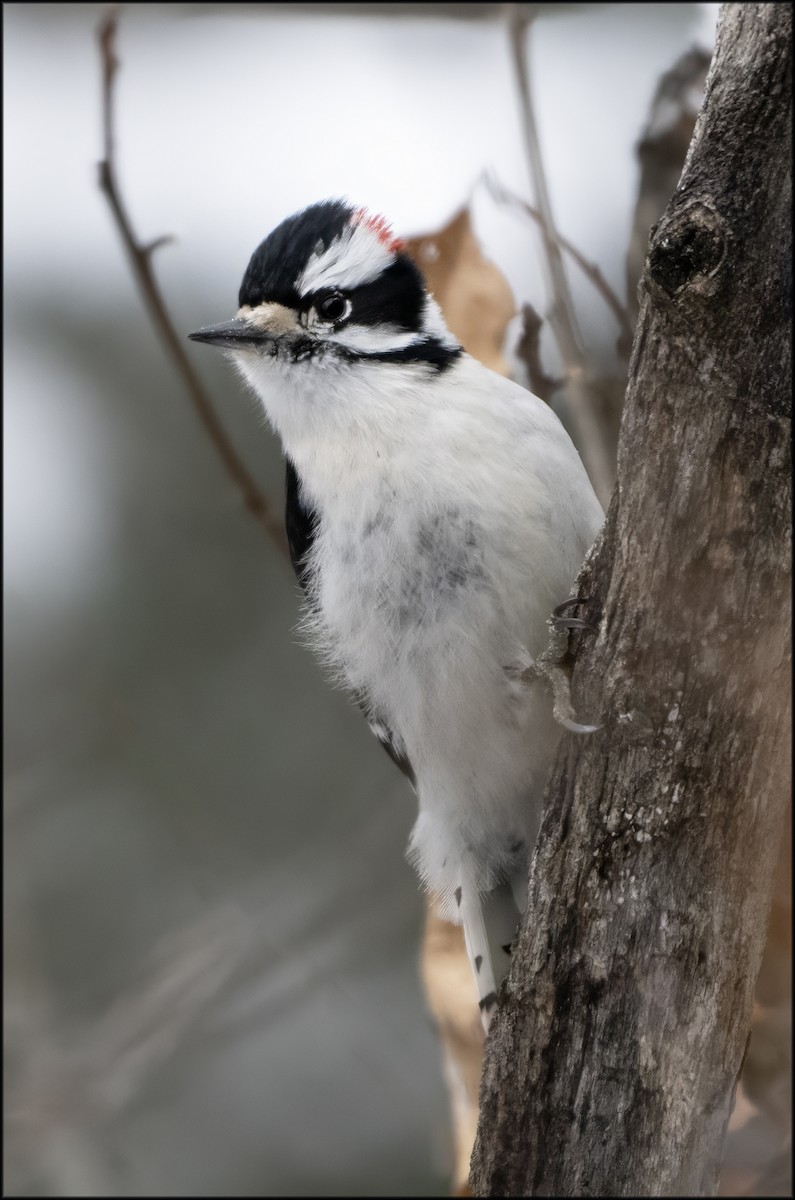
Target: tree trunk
x,y
616,1049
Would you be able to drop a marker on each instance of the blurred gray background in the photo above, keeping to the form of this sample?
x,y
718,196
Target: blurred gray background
x,y
212,934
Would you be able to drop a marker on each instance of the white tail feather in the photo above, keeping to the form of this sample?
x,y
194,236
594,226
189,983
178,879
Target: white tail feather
x,y
489,929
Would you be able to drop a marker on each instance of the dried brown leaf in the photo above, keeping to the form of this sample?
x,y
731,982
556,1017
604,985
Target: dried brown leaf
x,y
474,295
450,994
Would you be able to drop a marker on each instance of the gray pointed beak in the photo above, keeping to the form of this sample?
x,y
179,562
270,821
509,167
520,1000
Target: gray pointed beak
x,y
231,334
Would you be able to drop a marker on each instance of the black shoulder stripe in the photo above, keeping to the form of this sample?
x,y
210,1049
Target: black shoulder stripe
x,y
301,522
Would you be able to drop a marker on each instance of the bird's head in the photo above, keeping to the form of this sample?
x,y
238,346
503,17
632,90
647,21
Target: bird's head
x,y
331,285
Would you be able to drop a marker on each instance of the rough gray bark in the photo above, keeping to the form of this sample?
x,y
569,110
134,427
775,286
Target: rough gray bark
x,y
616,1050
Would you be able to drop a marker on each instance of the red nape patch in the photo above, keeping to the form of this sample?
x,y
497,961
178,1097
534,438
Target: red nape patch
x,y
380,227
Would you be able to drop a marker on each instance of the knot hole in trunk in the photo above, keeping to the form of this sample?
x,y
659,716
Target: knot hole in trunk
x,y
687,252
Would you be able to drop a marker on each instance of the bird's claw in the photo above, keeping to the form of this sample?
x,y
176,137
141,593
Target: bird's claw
x,y
559,620
552,664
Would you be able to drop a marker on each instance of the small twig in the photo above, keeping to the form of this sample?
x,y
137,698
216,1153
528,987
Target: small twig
x,y
140,256
529,350
562,316
589,434
589,269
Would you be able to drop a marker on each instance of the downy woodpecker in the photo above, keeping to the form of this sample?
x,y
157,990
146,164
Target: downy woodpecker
x,y
436,515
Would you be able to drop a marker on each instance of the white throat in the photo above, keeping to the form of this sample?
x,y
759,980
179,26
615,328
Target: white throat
x,y
337,420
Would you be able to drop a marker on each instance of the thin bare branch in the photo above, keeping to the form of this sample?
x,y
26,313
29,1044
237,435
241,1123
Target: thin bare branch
x,y
590,270
590,437
529,350
562,317
140,256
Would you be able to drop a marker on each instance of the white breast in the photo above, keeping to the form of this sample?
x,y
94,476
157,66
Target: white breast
x,y
454,514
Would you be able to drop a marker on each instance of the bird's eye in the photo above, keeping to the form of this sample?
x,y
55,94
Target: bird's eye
x,y
334,307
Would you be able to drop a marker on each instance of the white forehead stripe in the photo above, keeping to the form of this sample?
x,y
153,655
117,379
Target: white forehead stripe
x,y
354,258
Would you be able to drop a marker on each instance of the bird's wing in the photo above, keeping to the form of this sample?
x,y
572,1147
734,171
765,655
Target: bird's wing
x,y
301,522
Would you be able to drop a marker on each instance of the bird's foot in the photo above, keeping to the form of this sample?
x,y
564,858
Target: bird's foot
x,y
554,665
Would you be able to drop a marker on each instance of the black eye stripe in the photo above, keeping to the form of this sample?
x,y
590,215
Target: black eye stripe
x,y
395,297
